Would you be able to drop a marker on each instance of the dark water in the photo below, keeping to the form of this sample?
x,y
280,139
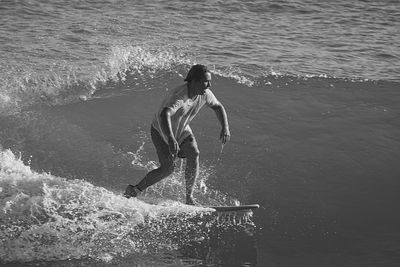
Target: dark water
x,y
312,94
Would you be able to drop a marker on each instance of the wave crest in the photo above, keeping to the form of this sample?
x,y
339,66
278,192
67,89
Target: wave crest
x,y
140,60
64,82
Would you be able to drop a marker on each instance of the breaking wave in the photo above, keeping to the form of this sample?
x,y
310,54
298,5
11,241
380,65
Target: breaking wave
x,y
44,217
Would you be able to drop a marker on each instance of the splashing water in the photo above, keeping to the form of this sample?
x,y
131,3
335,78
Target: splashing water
x,y
64,82
125,59
173,187
44,217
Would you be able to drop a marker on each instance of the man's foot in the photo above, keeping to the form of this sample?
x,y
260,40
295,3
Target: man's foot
x,y
131,191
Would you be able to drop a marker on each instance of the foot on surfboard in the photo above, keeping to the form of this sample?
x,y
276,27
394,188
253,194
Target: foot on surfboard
x,y
131,191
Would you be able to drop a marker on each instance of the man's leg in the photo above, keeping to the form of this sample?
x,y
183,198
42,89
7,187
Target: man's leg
x,y
156,175
191,152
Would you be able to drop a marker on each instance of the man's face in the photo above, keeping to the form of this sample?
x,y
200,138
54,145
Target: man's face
x,y
203,84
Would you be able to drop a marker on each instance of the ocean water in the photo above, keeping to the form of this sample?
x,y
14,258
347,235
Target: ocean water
x,y
311,89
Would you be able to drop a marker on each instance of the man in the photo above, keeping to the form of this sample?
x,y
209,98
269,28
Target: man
x,y
172,135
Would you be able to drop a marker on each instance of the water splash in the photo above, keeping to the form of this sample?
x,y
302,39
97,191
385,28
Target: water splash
x,y
234,73
63,82
24,86
45,218
173,187
139,59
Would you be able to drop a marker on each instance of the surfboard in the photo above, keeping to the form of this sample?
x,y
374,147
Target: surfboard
x,y
235,208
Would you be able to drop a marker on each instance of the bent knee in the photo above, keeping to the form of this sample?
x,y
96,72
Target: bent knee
x,y
168,168
193,153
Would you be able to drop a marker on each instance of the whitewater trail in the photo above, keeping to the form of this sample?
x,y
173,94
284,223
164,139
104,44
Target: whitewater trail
x,y
44,217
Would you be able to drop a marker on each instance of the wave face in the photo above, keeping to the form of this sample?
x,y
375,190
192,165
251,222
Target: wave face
x,y
302,147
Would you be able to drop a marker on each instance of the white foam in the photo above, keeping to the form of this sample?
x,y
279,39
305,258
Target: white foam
x,y
44,217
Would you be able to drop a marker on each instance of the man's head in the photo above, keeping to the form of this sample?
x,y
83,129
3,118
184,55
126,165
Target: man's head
x,y
199,79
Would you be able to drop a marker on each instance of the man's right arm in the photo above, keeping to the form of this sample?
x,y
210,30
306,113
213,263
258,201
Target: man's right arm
x,y
166,127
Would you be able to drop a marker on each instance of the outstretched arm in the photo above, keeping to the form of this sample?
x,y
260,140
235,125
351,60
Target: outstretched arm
x,y
223,119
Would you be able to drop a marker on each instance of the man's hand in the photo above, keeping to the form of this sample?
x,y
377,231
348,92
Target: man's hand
x,y
225,135
223,119
173,146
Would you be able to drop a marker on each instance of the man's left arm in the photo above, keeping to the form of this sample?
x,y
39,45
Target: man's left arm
x,y
223,119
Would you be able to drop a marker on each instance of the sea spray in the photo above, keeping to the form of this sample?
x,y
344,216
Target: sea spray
x,y
142,59
173,187
124,67
65,82
44,217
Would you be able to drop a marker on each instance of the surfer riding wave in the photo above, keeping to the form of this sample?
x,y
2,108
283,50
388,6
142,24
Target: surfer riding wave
x,y
172,135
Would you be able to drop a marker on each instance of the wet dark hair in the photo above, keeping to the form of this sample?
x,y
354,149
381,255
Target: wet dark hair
x,y
196,73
